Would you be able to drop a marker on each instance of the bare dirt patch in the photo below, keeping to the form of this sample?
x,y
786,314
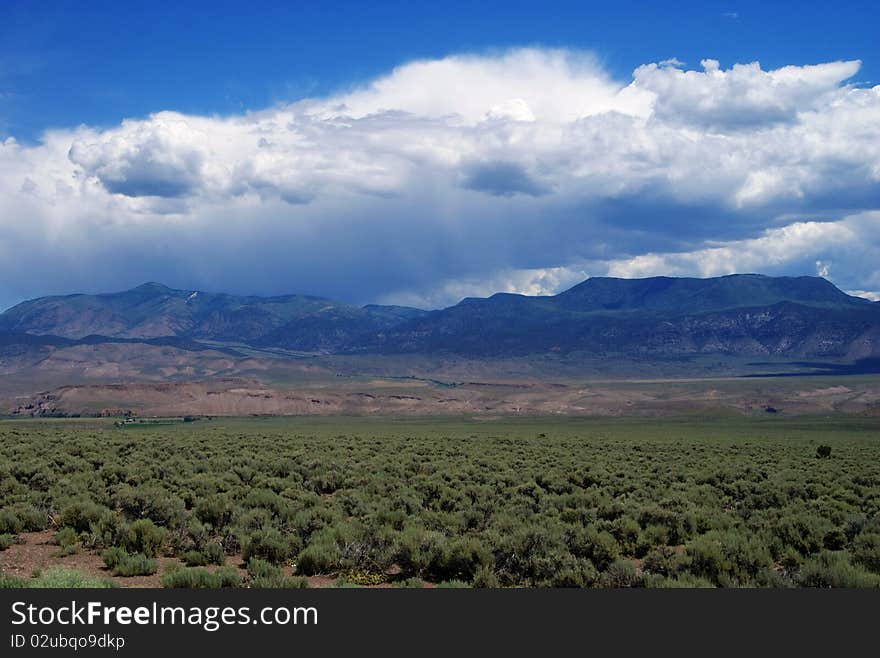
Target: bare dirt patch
x,y
34,552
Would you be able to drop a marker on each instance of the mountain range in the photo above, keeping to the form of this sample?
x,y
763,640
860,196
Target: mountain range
x,y
743,315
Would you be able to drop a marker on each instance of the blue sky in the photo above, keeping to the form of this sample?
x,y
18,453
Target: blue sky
x,y
420,153
66,63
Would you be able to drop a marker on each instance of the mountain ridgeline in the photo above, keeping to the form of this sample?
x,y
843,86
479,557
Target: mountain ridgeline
x,y
746,314
153,311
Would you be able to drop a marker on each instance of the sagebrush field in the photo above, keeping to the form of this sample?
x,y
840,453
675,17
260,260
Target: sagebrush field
x,y
539,502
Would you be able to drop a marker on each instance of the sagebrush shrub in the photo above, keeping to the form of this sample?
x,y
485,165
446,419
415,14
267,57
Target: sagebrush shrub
x,y
683,581
621,573
270,545
195,559
706,558
108,530
136,565
663,561
410,583
67,540
696,502
835,569
601,548
143,536
22,517
419,551
866,550
79,516
64,578
484,578
9,523
200,578
462,558
217,511
263,575
319,557
124,564
150,502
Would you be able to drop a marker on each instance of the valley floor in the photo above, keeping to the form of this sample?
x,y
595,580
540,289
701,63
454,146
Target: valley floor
x,y
732,501
491,396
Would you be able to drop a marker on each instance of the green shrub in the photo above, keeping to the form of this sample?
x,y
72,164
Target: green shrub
x,y
823,452
195,559
663,561
136,565
227,576
453,584
410,583
295,582
621,573
731,558
697,502
319,557
192,535
663,525
573,572
257,568
113,556
270,545
21,518
123,564
6,541
802,531
485,578
33,519
200,578
67,540
9,523
63,578
215,510
108,530
601,548
834,569
866,550
685,580
185,578
80,515
462,558
626,531
419,551
214,553
143,536
264,575
150,502
748,558
651,537
65,537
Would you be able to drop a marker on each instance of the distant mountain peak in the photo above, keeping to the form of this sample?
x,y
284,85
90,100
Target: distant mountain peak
x,y
690,294
739,314
149,286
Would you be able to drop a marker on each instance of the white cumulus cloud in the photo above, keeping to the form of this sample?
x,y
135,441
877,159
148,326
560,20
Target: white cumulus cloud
x,y
513,171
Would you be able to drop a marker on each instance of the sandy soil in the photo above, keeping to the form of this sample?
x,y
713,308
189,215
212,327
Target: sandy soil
x,y
242,397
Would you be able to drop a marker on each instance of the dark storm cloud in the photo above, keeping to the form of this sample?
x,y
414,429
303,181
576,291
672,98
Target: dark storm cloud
x,y
501,179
